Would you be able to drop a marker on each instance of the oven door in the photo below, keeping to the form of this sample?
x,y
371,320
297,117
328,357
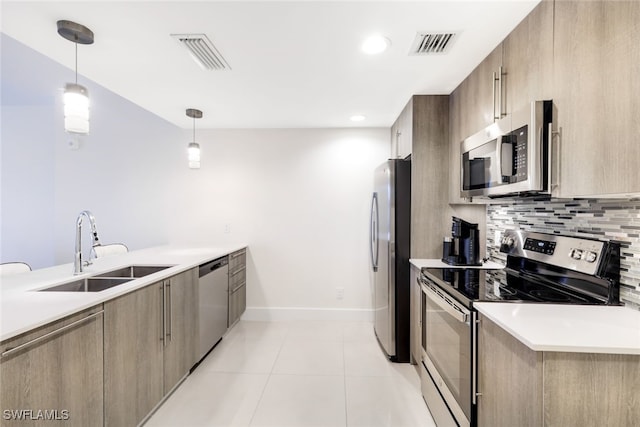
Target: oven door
x,y
449,350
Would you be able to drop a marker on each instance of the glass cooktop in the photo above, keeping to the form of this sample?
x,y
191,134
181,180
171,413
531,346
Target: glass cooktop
x,y
507,285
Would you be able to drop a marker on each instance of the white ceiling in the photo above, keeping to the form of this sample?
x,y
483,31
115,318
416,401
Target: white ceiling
x,y
294,63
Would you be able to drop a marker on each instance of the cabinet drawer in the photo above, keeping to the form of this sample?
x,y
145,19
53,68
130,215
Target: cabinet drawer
x,y
237,259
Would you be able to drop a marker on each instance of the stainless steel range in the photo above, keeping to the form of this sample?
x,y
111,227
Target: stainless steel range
x,y
540,268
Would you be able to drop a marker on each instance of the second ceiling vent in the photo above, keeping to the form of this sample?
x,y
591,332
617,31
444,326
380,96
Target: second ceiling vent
x,y
202,51
427,43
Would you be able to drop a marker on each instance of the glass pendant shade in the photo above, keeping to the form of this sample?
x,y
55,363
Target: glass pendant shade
x,y
76,108
193,153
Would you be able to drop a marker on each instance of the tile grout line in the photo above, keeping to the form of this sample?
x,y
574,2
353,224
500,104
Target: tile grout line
x,y
268,378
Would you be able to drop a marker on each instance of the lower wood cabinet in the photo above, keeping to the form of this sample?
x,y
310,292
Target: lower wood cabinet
x,y
237,285
53,375
181,349
149,345
522,387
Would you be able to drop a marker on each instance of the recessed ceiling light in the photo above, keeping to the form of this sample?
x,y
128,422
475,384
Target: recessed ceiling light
x,y
357,118
375,44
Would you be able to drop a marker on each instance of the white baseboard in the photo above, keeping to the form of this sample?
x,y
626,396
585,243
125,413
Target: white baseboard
x,y
307,313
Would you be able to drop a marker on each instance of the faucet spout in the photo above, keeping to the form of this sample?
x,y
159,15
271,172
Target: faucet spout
x,y
77,259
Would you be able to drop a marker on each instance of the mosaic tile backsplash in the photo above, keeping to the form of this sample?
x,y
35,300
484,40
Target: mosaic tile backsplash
x,y
603,219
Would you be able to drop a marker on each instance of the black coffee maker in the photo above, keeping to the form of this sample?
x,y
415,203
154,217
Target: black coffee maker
x,y
464,246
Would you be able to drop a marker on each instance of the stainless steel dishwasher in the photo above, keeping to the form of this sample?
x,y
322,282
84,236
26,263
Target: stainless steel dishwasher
x,y
214,307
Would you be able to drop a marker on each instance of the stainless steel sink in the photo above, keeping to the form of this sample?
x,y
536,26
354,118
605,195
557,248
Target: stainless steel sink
x,y
134,271
90,284
108,280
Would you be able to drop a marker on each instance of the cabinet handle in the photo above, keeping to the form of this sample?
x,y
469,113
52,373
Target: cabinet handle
x,y
493,95
163,307
237,254
233,273
552,134
238,287
169,311
50,334
500,74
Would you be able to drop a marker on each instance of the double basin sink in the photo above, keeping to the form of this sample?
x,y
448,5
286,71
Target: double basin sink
x,y
108,280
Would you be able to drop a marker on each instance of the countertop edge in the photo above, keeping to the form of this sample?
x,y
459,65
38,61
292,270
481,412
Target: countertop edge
x,y
488,309
143,256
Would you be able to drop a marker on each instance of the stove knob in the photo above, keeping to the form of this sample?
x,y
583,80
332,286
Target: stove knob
x,y
575,253
591,256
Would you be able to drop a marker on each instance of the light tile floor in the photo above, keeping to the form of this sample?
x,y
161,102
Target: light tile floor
x,y
297,374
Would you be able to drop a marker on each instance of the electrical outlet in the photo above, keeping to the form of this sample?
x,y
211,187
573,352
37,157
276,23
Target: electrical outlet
x,y
339,293
227,228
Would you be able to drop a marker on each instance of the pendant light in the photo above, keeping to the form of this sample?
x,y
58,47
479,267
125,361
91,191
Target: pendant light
x,y
76,97
193,149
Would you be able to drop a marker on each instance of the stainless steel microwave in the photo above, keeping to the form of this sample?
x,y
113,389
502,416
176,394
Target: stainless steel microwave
x,y
509,157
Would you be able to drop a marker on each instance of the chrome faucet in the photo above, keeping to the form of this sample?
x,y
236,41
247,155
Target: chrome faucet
x,y
77,260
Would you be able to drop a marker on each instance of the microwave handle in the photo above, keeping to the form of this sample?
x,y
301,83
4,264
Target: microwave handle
x,y
551,134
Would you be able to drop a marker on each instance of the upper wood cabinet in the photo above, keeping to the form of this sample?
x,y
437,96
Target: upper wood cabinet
x,y
527,60
597,97
430,151
402,133
479,95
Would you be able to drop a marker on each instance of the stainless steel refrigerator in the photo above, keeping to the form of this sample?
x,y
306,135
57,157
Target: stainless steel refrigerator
x,y
389,246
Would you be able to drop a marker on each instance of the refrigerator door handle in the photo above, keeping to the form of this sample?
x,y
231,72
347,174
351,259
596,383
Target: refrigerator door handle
x,y
373,241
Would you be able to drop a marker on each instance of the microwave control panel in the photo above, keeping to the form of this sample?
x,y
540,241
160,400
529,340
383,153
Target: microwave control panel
x,y
514,156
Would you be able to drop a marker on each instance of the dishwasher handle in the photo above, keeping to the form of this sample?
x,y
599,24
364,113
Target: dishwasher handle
x,y
212,266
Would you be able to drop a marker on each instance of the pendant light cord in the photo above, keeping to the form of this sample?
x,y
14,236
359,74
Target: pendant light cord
x,y
76,62
194,128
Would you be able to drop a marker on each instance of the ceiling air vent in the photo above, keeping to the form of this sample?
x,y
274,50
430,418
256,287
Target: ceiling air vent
x,y
202,51
427,43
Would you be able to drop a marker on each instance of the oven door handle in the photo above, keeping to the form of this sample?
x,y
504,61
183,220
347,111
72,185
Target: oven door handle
x,y
452,309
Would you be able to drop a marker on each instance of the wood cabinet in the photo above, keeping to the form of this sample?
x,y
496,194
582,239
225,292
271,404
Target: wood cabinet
x,y
181,313
479,95
415,315
237,285
527,60
402,133
508,372
149,346
597,96
522,387
56,372
430,150
133,355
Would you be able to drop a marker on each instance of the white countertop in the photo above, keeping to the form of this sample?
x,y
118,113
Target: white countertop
x,y
437,263
568,328
23,309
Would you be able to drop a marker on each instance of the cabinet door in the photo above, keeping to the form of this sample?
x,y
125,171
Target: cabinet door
x,y
597,96
528,60
455,139
477,104
58,369
508,371
405,129
181,311
133,355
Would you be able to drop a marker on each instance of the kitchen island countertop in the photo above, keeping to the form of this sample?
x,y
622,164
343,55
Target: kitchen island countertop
x,y
568,328
22,308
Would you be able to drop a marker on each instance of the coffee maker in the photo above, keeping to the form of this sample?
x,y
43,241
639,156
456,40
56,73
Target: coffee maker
x,y
463,248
